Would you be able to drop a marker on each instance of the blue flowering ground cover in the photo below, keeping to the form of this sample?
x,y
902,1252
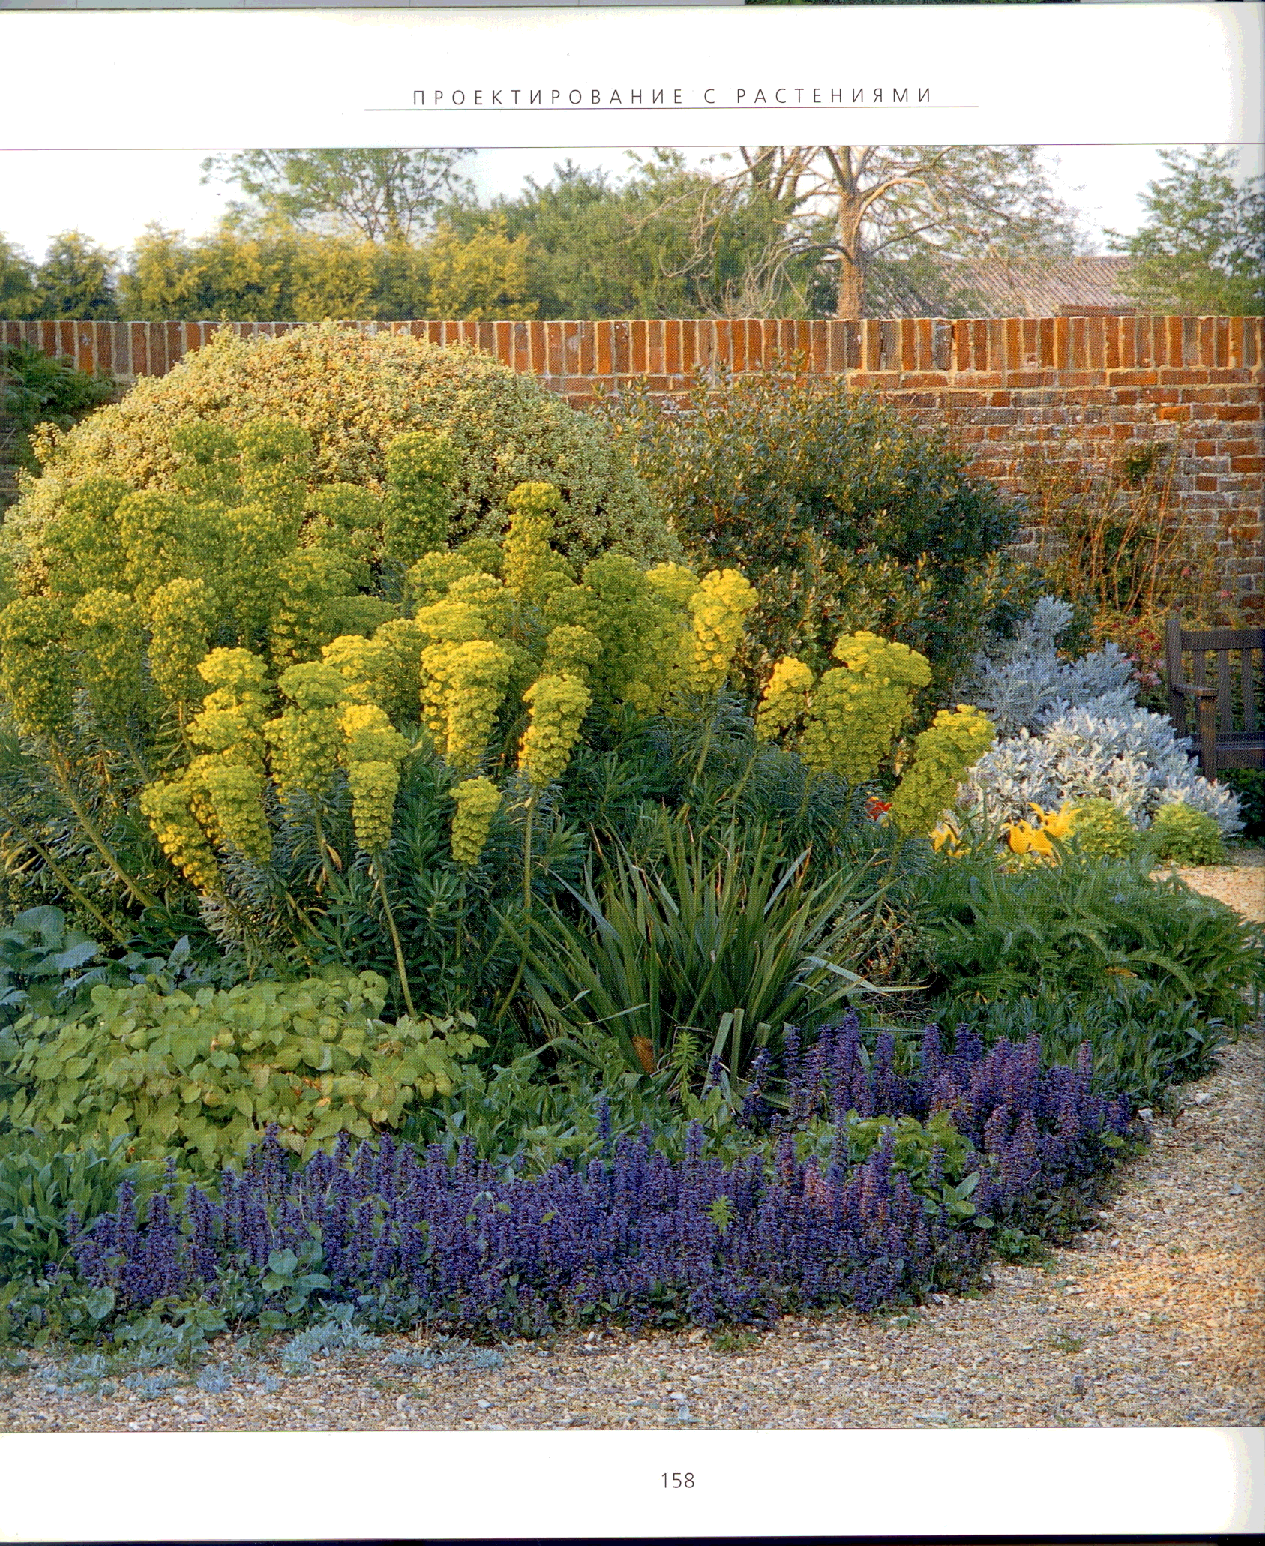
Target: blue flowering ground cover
x,y
966,1147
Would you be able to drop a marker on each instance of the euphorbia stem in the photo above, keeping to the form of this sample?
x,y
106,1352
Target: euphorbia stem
x,y
531,808
89,826
395,936
73,890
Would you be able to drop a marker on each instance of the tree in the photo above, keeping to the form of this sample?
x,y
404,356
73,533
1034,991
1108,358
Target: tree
x,y
269,271
667,240
251,273
18,297
76,279
863,209
1201,248
383,195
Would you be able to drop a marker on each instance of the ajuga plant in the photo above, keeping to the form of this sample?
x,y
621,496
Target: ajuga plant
x,y
866,1185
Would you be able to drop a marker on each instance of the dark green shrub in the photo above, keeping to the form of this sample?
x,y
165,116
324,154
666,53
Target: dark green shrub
x,y
1089,930
202,1076
841,512
41,389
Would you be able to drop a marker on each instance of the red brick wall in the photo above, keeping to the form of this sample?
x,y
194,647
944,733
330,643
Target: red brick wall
x,y
1088,388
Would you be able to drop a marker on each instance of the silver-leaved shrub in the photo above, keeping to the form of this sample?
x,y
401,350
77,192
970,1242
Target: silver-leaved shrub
x,y
1072,730
1021,683
1132,757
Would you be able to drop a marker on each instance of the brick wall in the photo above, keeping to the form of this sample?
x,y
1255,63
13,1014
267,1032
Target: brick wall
x,y
1091,389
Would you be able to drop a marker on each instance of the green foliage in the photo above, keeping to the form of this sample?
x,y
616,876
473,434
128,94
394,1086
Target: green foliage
x,y
943,755
386,195
42,965
42,1182
354,395
259,271
844,515
666,240
1200,249
1186,836
1101,830
1089,930
17,281
724,940
41,388
76,279
203,1075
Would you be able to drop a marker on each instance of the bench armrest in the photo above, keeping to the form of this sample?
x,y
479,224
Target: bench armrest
x,y
1189,690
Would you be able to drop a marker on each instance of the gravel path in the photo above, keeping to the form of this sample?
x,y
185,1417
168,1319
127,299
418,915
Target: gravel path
x,y
1154,1318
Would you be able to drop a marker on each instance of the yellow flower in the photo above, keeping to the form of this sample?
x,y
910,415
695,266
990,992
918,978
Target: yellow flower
x,y
558,706
718,606
946,838
785,698
1058,824
943,754
477,802
526,545
1024,838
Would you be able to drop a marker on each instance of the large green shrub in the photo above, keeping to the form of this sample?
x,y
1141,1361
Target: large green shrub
x,y
844,514
1186,836
1089,928
204,1075
354,394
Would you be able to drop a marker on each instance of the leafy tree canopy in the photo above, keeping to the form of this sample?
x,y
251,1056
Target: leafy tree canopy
x,y
18,297
666,240
385,195
1201,250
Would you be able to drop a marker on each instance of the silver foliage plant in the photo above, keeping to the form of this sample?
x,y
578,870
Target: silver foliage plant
x,y
1073,730
1021,683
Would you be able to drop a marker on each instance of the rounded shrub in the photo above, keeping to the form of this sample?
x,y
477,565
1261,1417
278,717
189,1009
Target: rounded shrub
x,y
842,512
1186,836
1101,830
355,395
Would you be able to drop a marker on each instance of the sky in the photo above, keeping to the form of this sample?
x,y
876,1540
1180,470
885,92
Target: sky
x,y
111,195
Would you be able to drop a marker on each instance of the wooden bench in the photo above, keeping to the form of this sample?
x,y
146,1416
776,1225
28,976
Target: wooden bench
x,y
1229,725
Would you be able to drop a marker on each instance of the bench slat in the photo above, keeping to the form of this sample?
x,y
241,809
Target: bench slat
x,y
1225,710
1223,638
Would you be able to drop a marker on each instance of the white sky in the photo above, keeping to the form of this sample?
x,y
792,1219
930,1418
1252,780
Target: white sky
x,y
111,195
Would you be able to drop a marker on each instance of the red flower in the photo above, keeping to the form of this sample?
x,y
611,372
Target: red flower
x,y
876,808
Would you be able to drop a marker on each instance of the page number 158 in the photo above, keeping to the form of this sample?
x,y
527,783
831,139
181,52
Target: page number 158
x,y
675,1479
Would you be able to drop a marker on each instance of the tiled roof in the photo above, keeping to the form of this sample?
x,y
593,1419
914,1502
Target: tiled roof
x,y
1047,288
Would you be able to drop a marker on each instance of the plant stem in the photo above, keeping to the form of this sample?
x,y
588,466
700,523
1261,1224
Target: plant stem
x,y
73,890
138,762
62,778
527,825
395,937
